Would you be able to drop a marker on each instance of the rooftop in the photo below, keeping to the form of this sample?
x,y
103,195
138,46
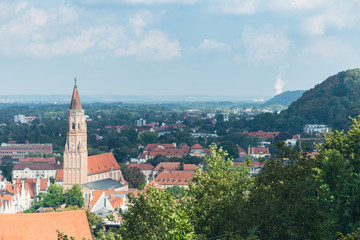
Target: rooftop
x,y
104,184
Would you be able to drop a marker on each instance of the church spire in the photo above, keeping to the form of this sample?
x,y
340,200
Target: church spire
x,y
75,100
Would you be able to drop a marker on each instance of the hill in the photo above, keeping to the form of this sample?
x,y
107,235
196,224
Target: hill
x,y
330,102
284,99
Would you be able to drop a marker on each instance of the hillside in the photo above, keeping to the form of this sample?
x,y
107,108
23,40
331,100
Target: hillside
x,y
330,102
284,99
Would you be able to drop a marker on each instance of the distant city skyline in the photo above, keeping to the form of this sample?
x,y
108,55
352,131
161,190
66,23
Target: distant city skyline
x,y
234,48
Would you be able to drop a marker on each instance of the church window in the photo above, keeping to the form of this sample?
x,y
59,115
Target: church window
x,y
73,126
78,125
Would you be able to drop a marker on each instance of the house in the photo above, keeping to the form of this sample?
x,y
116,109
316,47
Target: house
x,y
171,166
103,202
15,197
241,151
198,150
174,178
36,169
167,150
258,152
44,225
145,168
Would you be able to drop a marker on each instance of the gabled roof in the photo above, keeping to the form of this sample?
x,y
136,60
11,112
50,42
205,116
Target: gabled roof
x,y
75,100
170,166
174,178
38,166
59,175
102,163
37,159
259,150
44,225
197,146
141,166
43,184
111,195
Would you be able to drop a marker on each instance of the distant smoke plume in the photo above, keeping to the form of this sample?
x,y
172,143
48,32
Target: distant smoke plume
x,y
279,84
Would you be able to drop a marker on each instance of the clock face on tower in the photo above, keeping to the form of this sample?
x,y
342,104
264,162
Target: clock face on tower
x,y
72,146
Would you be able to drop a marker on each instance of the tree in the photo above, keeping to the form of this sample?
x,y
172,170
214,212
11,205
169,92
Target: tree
x,y
176,191
147,137
95,222
54,197
133,176
74,196
7,170
155,215
217,195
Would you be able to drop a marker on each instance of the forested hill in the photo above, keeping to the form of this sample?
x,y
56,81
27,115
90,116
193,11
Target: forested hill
x,y
330,102
284,99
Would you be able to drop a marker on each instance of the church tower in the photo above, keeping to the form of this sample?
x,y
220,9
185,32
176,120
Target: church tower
x,y
75,154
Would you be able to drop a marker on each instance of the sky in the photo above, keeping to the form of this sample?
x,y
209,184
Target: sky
x,y
175,47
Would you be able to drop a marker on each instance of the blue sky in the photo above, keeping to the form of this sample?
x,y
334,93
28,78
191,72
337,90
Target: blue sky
x,y
183,47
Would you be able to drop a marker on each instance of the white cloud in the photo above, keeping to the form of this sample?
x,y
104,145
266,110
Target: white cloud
x,y
21,6
326,48
147,2
47,33
266,44
234,6
212,45
155,44
279,84
140,21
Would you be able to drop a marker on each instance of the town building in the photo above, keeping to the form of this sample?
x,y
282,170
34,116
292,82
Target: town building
x,y
316,128
198,151
259,152
36,169
171,166
44,225
140,122
99,172
22,150
174,178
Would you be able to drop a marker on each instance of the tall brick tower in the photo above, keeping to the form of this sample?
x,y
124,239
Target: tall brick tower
x,y
75,154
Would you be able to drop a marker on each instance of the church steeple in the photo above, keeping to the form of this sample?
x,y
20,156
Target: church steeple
x,y
75,153
75,100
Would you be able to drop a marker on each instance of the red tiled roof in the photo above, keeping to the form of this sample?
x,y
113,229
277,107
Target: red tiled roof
x,y
196,146
59,175
259,150
142,166
102,163
169,166
44,225
241,150
174,178
43,184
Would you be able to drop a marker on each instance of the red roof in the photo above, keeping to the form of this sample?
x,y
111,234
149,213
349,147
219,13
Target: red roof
x,y
241,151
169,166
141,166
43,184
44,225
174,178
115,201
259,150
102,163
59,175
196,146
